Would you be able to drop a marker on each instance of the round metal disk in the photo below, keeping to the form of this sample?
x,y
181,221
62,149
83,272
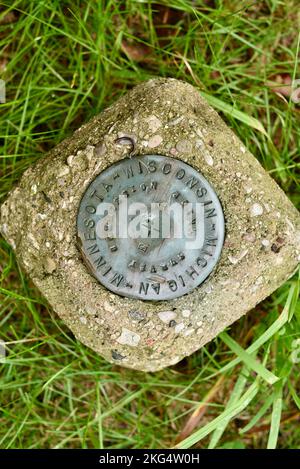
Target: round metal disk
x,y
154,250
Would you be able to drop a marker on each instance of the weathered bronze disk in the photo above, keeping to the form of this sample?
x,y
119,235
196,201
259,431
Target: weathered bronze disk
x,y
161,238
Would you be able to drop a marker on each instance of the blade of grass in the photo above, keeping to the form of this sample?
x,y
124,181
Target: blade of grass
x,y
276,417
249,361
234,397
259,415
229,413
270,332
235,113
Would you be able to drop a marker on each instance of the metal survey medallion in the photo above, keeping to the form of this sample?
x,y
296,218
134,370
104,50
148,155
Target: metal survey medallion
x,y
150,227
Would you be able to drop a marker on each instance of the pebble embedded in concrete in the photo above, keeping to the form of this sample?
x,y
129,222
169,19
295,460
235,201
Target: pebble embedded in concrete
x,y
128,337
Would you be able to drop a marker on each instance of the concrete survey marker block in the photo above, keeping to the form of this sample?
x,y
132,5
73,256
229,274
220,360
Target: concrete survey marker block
x,y
147,303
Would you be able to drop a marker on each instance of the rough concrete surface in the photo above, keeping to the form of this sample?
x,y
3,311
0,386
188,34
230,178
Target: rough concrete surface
x,y
261,250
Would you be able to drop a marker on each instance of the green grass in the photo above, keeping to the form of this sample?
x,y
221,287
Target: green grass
x,y
64,62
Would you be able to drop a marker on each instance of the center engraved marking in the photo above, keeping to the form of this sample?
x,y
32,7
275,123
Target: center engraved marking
x,y
138,226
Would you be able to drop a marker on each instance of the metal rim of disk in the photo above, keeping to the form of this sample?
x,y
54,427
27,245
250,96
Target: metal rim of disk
x,y
144,268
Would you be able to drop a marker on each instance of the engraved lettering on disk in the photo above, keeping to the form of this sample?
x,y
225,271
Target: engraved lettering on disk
x,y
150,227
